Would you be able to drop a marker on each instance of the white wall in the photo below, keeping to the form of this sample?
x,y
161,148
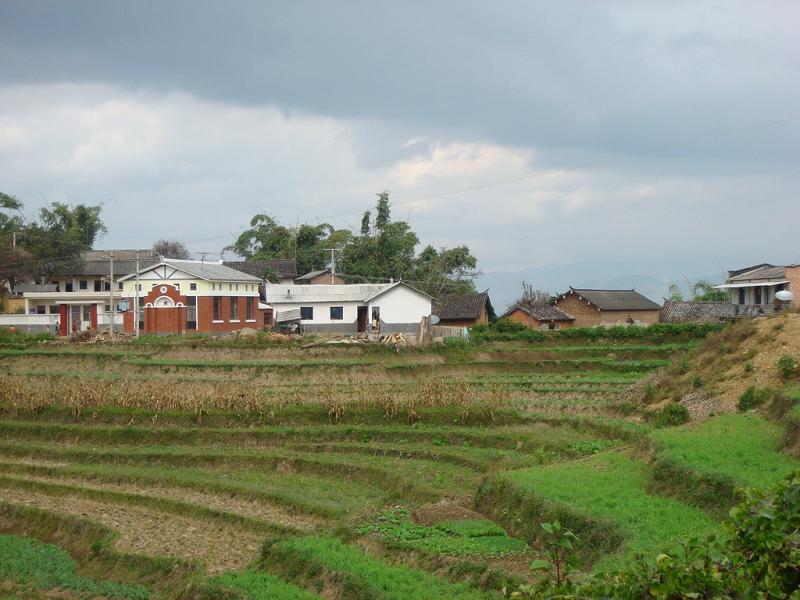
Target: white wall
x,y
322,311
401,305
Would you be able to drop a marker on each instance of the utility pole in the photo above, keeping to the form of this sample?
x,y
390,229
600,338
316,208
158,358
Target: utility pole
x,y
333,262
111,294
136,300
14,242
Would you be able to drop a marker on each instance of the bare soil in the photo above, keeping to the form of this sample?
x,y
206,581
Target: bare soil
x,y
221,547
248,507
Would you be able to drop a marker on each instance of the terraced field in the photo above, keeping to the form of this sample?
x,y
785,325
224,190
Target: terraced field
x,y
346,472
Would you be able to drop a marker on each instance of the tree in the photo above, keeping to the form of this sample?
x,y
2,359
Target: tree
x,y
13,261
446,271
675,293
58,239
704,291
531,297
171,249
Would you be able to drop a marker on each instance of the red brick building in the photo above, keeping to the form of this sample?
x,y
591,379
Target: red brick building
x,y
540,317
186,296
592,308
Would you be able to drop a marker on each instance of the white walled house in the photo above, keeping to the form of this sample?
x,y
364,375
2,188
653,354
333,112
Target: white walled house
x,y
357,308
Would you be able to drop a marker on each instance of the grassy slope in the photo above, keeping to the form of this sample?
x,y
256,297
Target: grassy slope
x,y
745,448
40,566
612,487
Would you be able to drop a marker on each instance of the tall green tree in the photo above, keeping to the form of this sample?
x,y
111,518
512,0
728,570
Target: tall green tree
x,y
55,242
446,270
704,291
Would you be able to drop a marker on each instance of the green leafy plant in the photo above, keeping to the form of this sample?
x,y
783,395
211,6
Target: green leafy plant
x,y
750,399
788,367
671,415
560,556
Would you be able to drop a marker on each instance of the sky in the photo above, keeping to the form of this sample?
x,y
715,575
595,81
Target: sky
x,y
629,143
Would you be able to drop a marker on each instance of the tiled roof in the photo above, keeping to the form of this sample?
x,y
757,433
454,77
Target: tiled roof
x,y
96,263
764,272
210,271
616,299
460,306
688,311
277,293
543,313
286,268
312,274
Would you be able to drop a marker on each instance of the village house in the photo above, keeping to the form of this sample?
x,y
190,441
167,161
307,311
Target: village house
x,y
322,277
593,308
540,317
82,299
285,268
191,296
692,311
464,310
752,290
356,308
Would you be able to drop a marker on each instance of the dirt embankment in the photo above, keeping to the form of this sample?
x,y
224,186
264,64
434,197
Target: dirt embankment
x,y
729,362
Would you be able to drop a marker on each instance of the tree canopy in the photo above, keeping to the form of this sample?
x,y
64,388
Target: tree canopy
x,y
171,249
381,250
703,290
51,245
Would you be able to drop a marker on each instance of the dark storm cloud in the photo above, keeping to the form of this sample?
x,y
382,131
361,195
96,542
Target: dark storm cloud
x,y
618,77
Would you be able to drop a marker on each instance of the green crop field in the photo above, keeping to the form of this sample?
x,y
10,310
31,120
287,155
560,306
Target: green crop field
x,y
183,469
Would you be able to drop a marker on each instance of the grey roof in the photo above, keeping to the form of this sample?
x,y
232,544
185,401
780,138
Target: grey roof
x,y
615,299
312,274
461,306
688,311
96,263
286,268
277,293
763,272
543,313
22,288
210,271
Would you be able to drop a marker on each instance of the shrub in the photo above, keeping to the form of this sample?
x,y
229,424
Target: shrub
x,y
750,399
672,414
788,367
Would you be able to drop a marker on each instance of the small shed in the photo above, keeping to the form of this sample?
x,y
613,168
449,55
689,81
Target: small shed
x,y
592,308
464,310
540,317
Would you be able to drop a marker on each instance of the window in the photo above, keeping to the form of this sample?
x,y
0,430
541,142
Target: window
x,y
758,296
193,286
741,295
55,309
234,309
191,312
98,285
106,286
68,287
217,308
306,313
230,287
250,310
107,308
83,284
87,313
237,287
40,309
119,285
140,287
337,313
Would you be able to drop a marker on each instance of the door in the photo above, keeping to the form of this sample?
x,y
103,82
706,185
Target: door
x,y
362,319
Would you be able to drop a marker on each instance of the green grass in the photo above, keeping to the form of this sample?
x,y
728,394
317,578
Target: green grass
x,y
744,447
479,537
45,567
361,575
258,585
611,487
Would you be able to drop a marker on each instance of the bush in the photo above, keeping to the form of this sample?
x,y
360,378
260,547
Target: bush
x,y
788,367
671,415
750,399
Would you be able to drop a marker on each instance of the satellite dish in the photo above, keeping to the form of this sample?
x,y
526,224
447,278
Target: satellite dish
x,y
784,296
434,319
